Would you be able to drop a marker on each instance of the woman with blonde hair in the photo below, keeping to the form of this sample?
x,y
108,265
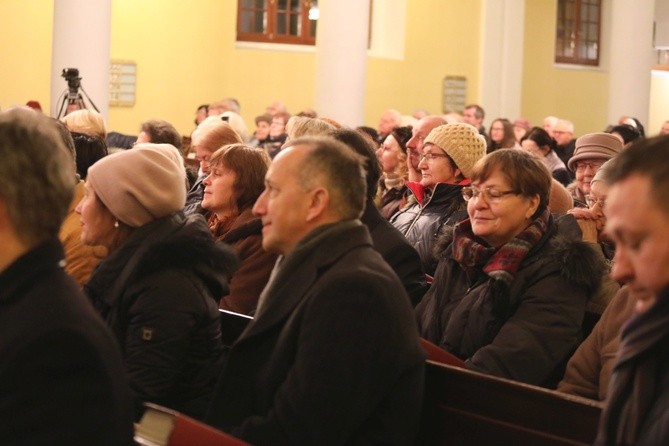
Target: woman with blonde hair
x,y
85,121
393,158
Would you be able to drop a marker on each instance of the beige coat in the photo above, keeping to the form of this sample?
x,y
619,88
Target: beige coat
x,y
80,259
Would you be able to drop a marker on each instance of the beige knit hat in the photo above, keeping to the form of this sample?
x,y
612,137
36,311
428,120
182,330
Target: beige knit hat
x,y
603,146
462,142
141,184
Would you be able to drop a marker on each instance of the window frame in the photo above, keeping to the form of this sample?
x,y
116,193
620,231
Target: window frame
x,y
562,23
271,12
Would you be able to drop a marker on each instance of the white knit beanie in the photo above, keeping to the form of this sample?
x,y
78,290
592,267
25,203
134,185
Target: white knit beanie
x,y
141,184
462,142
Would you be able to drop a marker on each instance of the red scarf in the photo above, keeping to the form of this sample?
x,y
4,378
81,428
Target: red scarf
x,y
499,263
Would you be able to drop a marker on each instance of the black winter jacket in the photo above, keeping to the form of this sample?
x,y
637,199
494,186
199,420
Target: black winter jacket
x,y
525,332
158,292
421,220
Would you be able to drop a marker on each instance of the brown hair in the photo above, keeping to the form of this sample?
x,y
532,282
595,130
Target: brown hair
x,y
250,165
216,136
526,174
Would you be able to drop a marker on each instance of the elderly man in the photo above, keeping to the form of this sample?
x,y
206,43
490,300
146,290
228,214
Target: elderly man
x,y
637,410
61,379
333,355
563,133
390,119
415,145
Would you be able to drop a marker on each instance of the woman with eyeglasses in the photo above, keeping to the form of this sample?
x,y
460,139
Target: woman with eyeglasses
x,y
449,153
592,150
511,286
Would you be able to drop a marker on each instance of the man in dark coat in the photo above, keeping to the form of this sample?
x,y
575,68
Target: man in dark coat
x,y
637,406
388,240
61,377
333,355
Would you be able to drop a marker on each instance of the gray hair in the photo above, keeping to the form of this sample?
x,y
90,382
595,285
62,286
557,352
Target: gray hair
x,y
341,169
37,175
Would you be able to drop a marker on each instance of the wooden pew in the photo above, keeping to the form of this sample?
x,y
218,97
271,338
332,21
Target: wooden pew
x,y
463,407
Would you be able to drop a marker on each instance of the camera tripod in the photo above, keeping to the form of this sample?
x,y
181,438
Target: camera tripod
x,y
74,101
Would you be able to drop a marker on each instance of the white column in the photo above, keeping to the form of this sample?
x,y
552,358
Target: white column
x,y
630,49
81,36
341,60
502,58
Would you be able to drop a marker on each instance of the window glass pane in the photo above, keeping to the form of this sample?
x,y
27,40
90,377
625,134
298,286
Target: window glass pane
x,y
295,24
262,4
282,5
260,22
281,23
246,20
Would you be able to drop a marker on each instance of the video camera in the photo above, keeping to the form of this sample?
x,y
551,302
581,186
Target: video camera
x,y
71,75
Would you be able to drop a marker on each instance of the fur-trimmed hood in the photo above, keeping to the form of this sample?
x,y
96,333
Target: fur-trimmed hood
x,y
576,259
176,242
192,248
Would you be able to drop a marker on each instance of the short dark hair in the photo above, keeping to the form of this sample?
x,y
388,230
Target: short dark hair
x,y
627,132
340,167
162,132
526,174
250,165
649,158
541,138
90,149
364,146
478,110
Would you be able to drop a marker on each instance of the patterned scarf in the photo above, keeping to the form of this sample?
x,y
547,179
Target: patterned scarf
x,y
499,263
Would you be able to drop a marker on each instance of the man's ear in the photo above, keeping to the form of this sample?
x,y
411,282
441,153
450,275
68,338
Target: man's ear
x,y
318,204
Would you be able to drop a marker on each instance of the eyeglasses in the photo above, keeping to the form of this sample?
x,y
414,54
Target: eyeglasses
x,y
594,165
592,201
491,195
431,156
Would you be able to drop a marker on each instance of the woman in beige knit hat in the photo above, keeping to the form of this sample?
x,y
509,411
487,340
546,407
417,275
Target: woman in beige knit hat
x,y
159,286
449,154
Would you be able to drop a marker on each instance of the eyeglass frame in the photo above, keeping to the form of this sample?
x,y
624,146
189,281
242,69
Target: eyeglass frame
x,y
486,194
592,165
431,156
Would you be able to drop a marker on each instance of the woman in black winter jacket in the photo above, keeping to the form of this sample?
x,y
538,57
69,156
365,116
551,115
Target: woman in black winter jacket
x,y
159,286
449,154
511,286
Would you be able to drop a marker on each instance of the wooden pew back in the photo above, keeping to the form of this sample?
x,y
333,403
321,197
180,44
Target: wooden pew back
x,y
463,407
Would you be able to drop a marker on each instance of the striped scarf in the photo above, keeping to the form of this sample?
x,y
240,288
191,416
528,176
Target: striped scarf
x,y
499,263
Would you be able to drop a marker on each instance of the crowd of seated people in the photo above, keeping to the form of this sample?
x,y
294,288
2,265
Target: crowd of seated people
x,y
512,262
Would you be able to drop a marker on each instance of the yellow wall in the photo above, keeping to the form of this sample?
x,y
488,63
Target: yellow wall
x,y
580,95
186,55
659,108
442,38
25,52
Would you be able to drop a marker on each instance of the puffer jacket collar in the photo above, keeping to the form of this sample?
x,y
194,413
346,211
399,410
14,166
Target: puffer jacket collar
x,y
578,262
175,242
